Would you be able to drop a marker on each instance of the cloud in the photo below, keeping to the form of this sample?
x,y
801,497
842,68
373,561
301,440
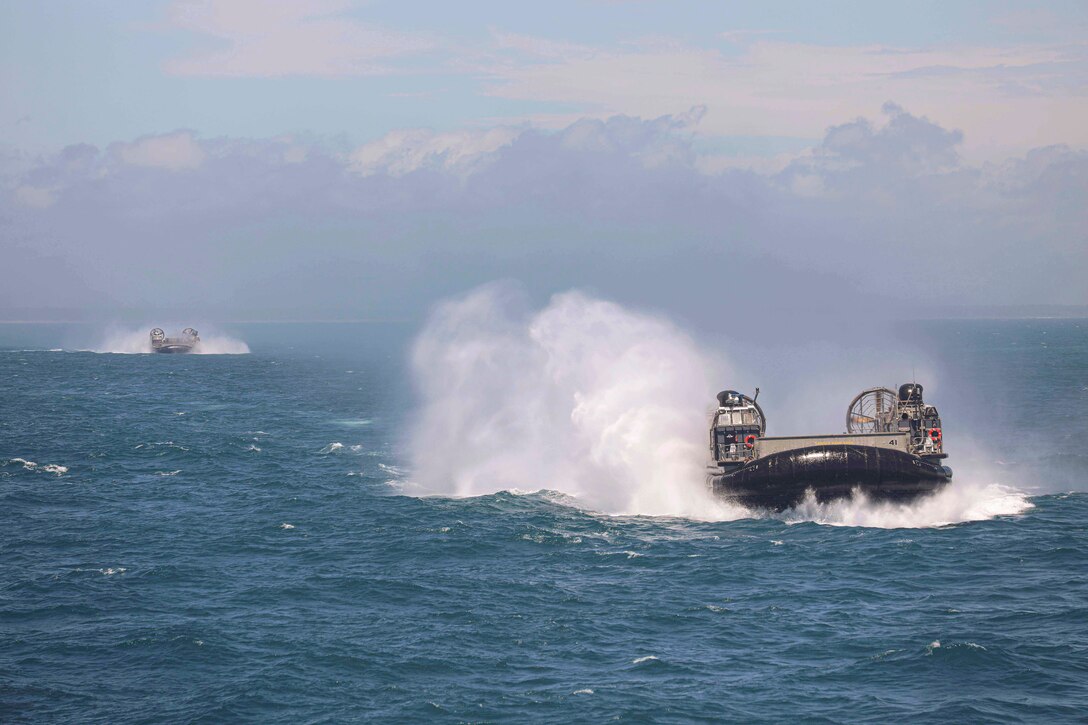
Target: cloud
x,y
859,156
541,48
38,197
401,152
174,152
741,37
883,217
252,38
1008,98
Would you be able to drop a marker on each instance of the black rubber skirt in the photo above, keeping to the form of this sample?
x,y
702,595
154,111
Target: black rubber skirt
x,y
780,480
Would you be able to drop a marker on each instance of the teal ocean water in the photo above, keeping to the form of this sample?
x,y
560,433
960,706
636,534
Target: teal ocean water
x,y
251,537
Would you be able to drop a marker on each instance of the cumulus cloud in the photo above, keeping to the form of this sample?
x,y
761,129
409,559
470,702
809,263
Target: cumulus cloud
x,y
39,197
883,216
862,158
401,152
913,143
174,152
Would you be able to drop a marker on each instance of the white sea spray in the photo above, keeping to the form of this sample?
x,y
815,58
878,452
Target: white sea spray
x,y
582,397
963,500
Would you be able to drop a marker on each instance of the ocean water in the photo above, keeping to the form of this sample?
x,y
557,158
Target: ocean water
x,y
278,536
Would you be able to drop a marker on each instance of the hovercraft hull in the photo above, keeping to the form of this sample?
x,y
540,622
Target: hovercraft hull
x,y
173,349
780,480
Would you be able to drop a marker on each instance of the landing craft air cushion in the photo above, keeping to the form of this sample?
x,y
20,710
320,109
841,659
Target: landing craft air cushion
x,y
891,451
161,343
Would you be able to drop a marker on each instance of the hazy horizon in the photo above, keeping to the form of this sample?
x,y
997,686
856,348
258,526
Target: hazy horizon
x,y
129,317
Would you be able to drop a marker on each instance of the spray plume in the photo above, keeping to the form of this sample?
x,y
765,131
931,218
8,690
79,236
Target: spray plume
x,y
582,397
603,404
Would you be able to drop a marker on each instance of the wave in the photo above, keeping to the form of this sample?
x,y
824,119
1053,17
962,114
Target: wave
x,y
53,468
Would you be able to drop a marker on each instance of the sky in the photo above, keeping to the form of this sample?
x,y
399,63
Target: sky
x,y
334,159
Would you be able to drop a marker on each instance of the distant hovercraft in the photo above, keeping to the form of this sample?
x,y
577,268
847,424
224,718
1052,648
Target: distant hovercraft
x,y
185,343
891,452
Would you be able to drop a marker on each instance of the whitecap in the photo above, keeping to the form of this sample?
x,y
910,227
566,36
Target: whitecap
x,y
331,448
583,691
640,660
162,444
286,525
167,473
44,468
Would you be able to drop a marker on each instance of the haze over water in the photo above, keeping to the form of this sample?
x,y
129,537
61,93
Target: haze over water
x,y
259,537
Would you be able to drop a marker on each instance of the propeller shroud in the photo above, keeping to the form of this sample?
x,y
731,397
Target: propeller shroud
x,y
872,411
